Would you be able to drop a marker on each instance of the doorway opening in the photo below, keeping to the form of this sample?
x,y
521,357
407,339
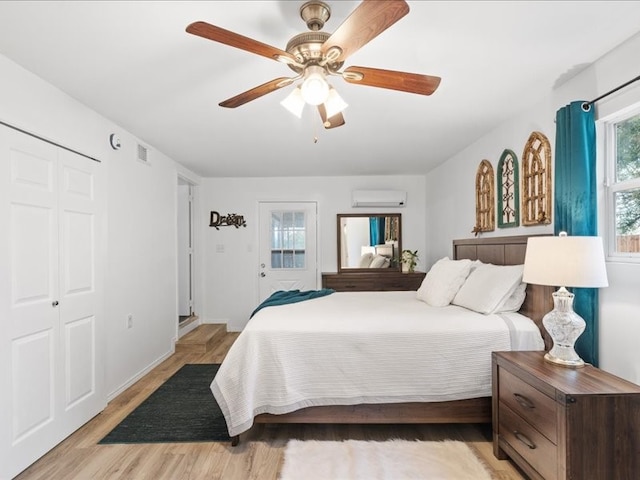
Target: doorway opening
x,y
187,317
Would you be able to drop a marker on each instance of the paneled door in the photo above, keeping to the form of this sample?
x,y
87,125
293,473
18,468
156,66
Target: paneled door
x,y
51,355
288,252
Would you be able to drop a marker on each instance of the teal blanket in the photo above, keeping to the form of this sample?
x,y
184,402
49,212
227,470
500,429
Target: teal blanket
x,y
282,297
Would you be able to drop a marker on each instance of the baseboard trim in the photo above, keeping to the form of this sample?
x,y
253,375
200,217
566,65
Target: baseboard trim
x,y
141,373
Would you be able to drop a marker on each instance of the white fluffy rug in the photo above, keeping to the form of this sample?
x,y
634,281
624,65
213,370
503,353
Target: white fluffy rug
x,y
390,460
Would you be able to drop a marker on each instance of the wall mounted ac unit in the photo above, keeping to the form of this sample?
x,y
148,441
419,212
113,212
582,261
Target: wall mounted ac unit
x,y
378,198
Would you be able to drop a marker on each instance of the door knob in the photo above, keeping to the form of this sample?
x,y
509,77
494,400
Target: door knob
x,y
54,303
262,274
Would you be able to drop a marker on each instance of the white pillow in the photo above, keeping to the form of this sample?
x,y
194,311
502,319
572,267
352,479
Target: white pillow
x,y
515,301
365,260
378,261
488,287
443,281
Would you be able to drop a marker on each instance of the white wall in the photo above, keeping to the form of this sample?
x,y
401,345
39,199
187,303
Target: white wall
x,y
451,205
141,238
231,278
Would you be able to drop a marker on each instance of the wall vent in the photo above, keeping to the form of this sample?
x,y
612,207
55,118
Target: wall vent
x,y
143,154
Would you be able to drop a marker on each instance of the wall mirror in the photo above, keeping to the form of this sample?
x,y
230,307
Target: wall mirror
x,y
370,241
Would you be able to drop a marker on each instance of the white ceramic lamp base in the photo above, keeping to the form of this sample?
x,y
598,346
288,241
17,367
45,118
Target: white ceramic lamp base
x,y
564,326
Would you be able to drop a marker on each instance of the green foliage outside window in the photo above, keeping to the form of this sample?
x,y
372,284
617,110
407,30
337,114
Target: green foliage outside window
x,y
627,202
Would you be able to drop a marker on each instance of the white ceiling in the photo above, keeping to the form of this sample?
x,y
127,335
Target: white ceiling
x,y
133,62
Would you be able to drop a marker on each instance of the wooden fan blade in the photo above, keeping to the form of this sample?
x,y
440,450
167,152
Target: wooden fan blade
x,y
217,34
256,92
367,21
403,81
336,121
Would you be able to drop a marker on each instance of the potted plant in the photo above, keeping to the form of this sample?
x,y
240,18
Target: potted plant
x,y
409,260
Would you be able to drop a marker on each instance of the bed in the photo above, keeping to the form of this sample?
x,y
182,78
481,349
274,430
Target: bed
x,y
371,357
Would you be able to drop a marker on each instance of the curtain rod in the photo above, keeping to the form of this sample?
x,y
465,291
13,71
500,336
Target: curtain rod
x,y
49,141
587,105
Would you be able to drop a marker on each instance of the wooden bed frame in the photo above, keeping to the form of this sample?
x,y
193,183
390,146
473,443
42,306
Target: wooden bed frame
x,y
496,250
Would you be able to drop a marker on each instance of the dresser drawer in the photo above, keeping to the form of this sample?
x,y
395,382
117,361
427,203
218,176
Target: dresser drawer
x,y
345,284
531,404
534,447
372,282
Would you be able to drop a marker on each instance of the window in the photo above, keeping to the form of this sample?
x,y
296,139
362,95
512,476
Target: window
x,y
288,240
623,185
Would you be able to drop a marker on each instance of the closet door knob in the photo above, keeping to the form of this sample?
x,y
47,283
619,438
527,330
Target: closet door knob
x,y
54,303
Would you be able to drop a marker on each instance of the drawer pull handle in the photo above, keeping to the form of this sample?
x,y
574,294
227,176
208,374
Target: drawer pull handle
x,y
524,439
524,401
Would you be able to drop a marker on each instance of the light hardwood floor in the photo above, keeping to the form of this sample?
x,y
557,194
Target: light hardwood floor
x,y
259,455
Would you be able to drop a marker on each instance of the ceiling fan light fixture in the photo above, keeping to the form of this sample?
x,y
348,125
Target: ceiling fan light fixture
x,y
294,102
315,88
315,55
334,103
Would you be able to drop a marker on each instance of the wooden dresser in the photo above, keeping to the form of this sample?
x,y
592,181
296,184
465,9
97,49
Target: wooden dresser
x,y
560,423
372,281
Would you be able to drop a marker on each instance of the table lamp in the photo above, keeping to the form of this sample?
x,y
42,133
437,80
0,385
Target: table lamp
x,y
564,261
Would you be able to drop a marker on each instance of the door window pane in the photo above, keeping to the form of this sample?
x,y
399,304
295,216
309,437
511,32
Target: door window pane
x,y
288,239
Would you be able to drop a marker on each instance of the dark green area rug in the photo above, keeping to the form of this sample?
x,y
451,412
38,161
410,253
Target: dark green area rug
x,y
182,409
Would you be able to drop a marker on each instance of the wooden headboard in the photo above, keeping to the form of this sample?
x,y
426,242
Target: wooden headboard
x,y
509,251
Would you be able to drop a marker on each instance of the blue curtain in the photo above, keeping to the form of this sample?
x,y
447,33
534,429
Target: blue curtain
x,y
376,230
576,204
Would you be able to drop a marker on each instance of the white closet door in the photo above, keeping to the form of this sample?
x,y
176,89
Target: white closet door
x,y
80,291
51,378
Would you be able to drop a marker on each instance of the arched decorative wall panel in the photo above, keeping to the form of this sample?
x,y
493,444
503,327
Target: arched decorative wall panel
x,y
508,190
485,198
536,181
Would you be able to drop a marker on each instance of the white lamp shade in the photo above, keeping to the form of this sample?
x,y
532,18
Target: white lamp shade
x,y
334,103
565,261
294,102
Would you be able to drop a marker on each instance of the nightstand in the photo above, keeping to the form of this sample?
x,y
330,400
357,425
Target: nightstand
x,y
560,423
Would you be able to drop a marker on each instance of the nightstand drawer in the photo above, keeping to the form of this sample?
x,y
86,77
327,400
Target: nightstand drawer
x,y
534,447
531,404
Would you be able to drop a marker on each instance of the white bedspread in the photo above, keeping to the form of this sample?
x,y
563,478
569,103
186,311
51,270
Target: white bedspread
x,y
362,347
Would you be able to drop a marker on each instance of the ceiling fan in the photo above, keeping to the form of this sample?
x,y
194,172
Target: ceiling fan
x,y
316,55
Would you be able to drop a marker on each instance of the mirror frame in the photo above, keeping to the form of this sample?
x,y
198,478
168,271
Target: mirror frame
x,y
391,269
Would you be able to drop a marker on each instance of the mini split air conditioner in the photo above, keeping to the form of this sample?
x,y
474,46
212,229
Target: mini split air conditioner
x,y
378,198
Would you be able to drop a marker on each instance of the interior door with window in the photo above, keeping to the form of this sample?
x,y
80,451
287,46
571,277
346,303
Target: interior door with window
x,y
288,252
